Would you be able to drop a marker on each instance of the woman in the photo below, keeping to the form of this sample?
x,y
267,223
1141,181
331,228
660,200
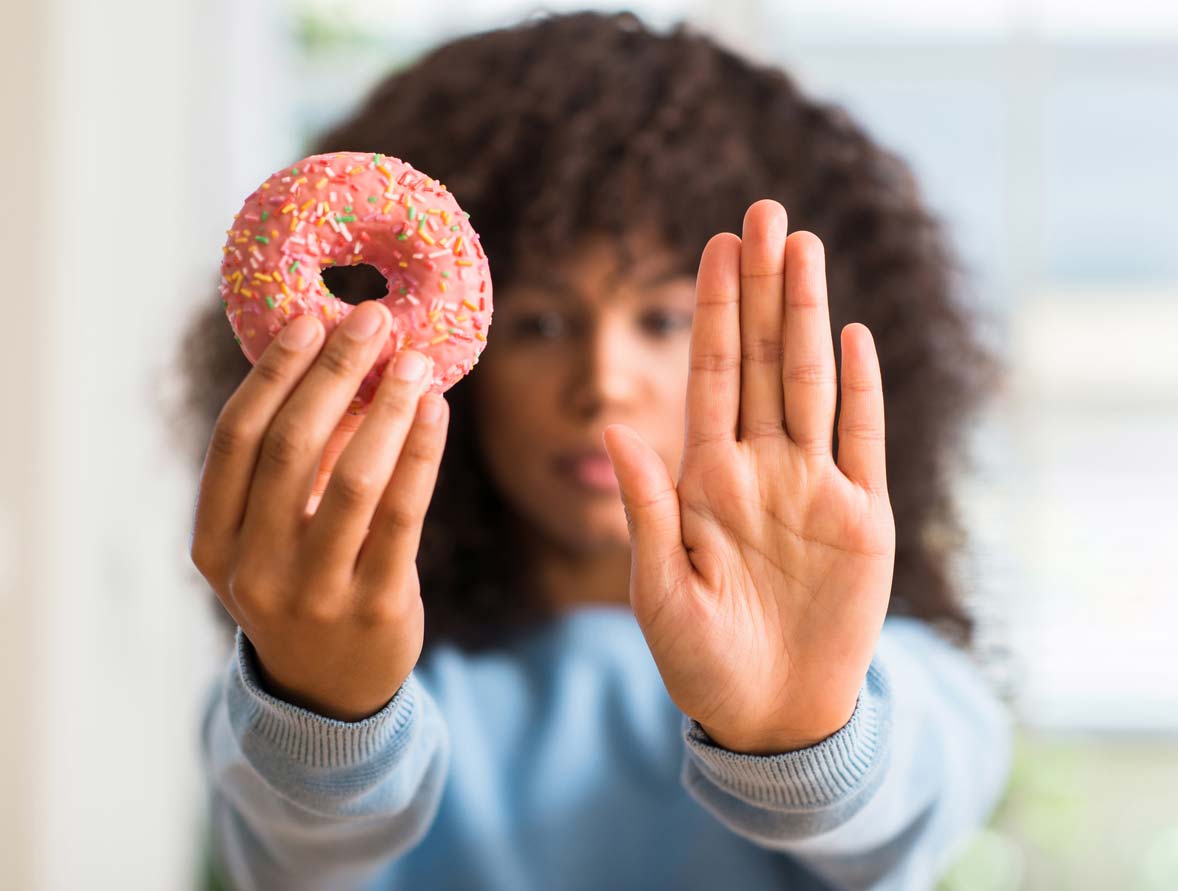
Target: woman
x,y
539,683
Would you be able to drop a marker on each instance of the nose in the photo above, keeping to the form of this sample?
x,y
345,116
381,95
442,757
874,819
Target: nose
x,y
605,372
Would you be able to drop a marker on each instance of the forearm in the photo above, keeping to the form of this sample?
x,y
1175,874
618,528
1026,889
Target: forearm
x,y
884,801
298,800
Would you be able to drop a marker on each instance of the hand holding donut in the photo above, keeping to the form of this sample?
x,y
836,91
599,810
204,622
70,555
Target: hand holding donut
x,y
330,599
320,471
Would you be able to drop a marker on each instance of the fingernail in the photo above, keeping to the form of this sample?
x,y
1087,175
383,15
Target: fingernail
x,y
410,366
299,332
362,322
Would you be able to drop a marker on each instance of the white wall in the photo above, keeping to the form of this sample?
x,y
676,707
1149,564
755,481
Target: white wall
x,y
24,468
117,166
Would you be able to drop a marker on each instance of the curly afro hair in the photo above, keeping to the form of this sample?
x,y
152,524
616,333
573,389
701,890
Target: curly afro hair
x,y
565,124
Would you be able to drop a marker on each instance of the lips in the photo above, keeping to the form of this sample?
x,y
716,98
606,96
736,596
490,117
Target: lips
x,y
588,469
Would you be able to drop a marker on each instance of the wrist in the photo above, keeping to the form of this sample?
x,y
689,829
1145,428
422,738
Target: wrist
x,y
768,744
331,706
775,742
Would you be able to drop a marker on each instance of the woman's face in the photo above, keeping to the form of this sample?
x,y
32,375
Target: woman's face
x,y
575,345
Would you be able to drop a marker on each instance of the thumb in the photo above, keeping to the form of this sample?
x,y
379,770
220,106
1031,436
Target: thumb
x,y
652,509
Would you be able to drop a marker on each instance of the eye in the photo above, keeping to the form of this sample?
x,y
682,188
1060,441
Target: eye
x,y
537,324
662,322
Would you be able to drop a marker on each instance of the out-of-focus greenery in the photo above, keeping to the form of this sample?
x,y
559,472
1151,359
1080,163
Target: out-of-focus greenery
x,y
323,28
1079,813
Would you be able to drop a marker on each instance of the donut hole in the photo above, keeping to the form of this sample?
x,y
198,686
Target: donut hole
x,y
355,284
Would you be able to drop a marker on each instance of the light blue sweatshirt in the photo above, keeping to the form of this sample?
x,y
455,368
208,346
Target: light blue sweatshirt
x,y
560,762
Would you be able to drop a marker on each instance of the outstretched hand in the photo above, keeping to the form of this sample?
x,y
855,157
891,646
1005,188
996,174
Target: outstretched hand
x,y
761,578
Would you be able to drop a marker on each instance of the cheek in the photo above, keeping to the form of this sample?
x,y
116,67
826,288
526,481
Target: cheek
x,y
674,360
513,407
672,403
668,400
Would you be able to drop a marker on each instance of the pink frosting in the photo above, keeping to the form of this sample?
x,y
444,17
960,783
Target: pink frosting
x,y
346,208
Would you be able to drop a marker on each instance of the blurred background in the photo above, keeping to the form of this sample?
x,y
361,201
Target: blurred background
x,y
1045,132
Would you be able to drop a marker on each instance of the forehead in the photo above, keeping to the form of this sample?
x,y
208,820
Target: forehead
x,y
601,262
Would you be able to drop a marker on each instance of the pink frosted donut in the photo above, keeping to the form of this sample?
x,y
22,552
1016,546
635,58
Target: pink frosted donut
x,y
346,208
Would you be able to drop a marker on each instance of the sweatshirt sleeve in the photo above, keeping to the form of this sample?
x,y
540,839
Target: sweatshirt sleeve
x,y
301,801
885,802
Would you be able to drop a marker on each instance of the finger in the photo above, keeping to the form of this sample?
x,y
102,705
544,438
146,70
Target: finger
x,y
292,447
395,534
862,456
809,373
659,560
336,443
237,438
363,470
762,281
713,379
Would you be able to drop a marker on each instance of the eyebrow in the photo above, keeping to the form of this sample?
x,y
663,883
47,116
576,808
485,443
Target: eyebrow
x,y
547,277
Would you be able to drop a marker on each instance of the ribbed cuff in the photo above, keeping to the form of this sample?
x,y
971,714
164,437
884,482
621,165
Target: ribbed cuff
x,y
311,739
845,764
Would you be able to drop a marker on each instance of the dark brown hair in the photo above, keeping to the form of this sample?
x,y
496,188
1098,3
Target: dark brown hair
x,y
566,124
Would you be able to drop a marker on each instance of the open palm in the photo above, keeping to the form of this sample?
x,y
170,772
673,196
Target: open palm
x,y
761,578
